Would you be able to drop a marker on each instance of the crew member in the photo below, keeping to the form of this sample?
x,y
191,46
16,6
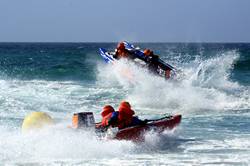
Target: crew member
x,y
106,115
153,63
152,60
122,118
122,52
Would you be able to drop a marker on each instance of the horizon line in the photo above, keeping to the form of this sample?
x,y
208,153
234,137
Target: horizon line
x,y
190,42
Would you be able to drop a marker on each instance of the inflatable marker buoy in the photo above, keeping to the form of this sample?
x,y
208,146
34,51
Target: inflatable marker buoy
x,y
36,120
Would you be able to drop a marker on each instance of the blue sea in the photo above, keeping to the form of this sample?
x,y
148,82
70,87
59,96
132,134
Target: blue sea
x,y
212,94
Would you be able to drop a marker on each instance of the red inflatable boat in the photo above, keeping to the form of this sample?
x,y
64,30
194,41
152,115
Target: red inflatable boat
x,y
136,133
85,120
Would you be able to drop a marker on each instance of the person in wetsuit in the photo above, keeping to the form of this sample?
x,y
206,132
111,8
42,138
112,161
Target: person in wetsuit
x,y
151,60
154,64
122,118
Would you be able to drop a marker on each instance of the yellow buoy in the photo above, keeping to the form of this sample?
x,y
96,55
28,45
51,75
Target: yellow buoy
x,y
36,120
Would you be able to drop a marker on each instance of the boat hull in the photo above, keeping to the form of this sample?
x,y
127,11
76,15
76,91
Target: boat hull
x,y
136,133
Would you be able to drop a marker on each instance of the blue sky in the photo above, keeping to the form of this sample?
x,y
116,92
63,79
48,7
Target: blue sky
x,y
132,20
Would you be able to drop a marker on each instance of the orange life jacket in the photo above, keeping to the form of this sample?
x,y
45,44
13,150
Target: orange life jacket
x,y
106,119
106,110
125,117
122,53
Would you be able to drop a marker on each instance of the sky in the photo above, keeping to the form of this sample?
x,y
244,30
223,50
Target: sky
x,y
132,20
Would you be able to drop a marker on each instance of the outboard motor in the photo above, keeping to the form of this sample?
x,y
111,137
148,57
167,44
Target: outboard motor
x,y
83,120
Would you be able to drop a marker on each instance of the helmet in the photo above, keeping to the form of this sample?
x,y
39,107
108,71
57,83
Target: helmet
x,y
125,107
106,110
125,104
121,46
147,52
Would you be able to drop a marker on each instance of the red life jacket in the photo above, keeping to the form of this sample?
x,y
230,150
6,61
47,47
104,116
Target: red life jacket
x,y
122,53
125,117
106,110
106,119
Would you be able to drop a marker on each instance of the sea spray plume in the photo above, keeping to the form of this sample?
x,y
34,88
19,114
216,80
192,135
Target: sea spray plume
x,y
111,75
210,88
215,72
207,86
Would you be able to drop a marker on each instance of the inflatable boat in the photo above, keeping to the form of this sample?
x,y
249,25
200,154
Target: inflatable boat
x,y
163,69
85,120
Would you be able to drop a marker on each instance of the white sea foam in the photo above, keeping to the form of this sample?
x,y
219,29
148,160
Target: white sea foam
x,y
58,143
206,86
206,89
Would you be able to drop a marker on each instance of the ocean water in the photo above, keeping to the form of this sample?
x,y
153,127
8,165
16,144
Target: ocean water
x,y
212,94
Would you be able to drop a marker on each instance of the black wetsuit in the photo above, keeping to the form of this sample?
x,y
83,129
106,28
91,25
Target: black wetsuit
x,y
153,63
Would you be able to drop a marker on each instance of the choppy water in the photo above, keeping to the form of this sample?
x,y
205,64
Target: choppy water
x,y
61,79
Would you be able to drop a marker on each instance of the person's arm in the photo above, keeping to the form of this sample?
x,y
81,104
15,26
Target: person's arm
x,y
136,121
